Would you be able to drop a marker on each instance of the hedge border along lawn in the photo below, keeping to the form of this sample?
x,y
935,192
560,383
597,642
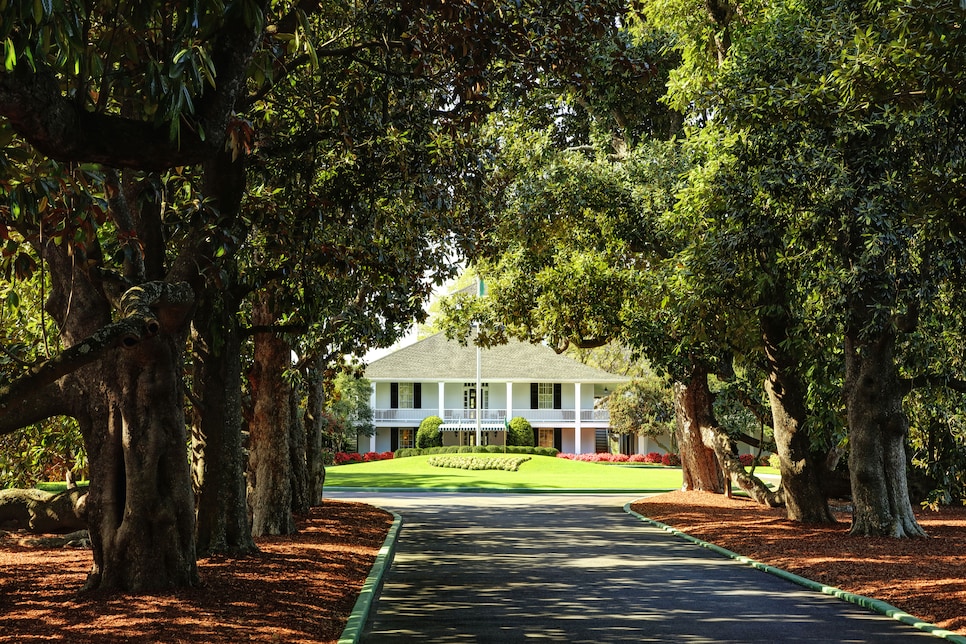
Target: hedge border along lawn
x,y
541,473
506,463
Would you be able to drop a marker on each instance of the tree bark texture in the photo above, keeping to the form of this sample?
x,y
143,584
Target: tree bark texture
x,y
801,469
692,411
40,511
218,459
128,400
269,467
877,435
314,406
297,458
139,504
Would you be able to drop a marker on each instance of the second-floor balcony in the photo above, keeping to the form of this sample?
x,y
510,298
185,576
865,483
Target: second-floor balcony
x,y
563,416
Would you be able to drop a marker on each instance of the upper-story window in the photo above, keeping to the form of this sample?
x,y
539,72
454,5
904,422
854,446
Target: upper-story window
x,y
469,395
545,395
405,395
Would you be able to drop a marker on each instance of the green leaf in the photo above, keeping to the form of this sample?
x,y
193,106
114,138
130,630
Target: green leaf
x,y
9,55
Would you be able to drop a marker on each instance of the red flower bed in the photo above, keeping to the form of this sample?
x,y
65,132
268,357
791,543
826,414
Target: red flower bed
x,y
343,458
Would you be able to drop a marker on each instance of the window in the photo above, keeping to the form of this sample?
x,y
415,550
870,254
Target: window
x,y
469,395
407,437
545,437
545,396
406,397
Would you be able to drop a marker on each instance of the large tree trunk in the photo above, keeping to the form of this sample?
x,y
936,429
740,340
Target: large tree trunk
x,y
877,435
804,494
216,433
269,467
219,459
139,505
315,404
130,407
693,411
297,458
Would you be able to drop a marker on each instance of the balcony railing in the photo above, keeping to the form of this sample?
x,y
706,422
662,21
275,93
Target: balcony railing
x,y
470,414
563,416
405,415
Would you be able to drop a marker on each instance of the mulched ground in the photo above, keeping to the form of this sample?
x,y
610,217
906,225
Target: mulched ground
x,y
302,588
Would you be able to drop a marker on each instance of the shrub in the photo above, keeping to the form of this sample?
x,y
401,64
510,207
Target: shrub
x,y
747,460
428,434
506,463
343,458
545,451
775,461
671,459
653,457
519,432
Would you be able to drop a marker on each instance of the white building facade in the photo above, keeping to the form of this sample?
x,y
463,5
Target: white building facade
x,y
559,396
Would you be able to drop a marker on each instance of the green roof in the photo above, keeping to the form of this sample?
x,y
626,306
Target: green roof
x,y
437,358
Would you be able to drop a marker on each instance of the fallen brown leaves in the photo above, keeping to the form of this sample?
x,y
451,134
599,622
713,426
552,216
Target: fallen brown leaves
x,y
923,577
300,588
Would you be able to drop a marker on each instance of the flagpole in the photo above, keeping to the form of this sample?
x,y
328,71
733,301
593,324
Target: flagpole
x,y
479,375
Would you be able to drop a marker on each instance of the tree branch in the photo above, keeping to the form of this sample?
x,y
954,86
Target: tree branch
x,y
63,130
147,310
32,406
932,380
58,128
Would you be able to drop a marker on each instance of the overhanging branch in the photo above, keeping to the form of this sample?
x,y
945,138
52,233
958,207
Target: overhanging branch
x,y
146,310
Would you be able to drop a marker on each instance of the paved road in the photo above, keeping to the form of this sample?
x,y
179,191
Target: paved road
x,y
576,568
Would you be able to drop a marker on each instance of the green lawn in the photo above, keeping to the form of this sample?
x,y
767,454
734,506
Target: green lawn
x,y
539,473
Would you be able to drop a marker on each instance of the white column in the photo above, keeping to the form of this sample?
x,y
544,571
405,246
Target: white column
x,y
442,400
509,401
372,405
577,449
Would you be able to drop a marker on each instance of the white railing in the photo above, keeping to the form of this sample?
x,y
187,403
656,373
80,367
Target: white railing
x,y
562,416
470,414
405,415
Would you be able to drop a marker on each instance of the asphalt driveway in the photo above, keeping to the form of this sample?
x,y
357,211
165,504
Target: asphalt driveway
x,y
577,568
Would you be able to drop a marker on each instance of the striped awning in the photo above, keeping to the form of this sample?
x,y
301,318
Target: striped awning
x,y
470,426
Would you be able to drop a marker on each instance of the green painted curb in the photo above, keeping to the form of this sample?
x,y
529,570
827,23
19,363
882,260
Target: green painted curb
x,y
370,588
866,602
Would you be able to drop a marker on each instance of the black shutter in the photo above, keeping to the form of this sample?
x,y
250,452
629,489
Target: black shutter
x,y
534,396
394,395
558,439
536,437
417,395
557,396
394,439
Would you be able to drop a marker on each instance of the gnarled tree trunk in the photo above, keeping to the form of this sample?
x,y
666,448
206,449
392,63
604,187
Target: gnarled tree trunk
x,y
140,509
269,467
314,406
218,459
804,495
877,435
693,411
128,401
297,457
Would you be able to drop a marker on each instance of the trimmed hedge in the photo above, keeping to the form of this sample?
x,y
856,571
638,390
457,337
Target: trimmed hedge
x,y
428,434
477,449
519,432
505,463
